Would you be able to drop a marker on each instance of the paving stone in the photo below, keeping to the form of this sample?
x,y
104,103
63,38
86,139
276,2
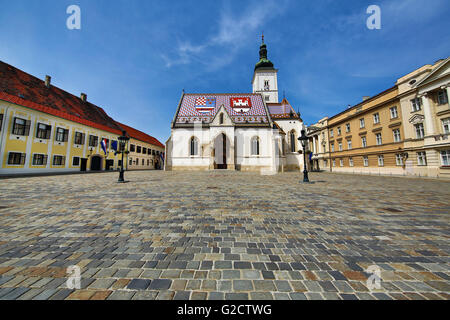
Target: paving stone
x,y
121,295
182,295
138,284
145,295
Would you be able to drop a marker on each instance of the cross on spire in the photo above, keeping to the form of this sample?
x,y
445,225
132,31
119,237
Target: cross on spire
x,y
262,36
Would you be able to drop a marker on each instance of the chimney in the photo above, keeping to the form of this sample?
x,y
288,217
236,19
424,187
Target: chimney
x,y
365,98
83,97
48,79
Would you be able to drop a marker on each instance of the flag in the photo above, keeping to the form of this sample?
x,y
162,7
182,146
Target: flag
x,y
205,105
310,156
104,145
114,145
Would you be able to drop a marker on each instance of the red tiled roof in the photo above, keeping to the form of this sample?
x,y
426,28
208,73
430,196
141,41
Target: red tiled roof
x,y
139,135
26,90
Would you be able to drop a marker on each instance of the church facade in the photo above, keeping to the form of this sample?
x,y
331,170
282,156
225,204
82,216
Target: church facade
x,y
237,131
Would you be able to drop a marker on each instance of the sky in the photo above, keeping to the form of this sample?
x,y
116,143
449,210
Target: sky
x,y
133,58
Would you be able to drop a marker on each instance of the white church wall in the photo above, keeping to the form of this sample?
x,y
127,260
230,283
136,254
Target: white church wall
x,y
294,160
245,161
181,158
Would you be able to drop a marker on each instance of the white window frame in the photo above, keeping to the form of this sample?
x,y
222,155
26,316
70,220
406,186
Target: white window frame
x,y
420,130
381,161
364,142
365,161
397,135
421,158
341,162
347,127
445,157
394,112
376,118
446,125
442,94
398,159
416,104
349,144
379,139
340,145
350,162
362,123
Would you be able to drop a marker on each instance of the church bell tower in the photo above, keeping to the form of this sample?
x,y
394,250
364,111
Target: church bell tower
x,y
265,76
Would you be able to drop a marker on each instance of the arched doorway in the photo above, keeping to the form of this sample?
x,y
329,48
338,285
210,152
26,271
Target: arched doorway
x,y
220,152
96,163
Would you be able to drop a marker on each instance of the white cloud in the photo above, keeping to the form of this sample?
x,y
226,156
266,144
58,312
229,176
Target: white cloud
x,y
233,29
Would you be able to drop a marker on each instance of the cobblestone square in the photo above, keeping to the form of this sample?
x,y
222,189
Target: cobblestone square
x,y
224,235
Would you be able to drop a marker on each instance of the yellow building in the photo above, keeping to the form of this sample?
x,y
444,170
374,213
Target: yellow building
x,y
45,129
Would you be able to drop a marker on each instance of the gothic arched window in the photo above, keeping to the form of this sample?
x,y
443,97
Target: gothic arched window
x,y
292,138
221,118
194,146
255,146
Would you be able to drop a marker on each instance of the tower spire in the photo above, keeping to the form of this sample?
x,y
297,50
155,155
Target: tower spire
x,y
262,36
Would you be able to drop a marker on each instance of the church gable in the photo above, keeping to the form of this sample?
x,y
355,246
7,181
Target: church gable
x,y
437,73
222,118
241,108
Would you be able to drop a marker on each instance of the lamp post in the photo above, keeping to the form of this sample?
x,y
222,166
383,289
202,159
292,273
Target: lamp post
x,y
303,138
123,140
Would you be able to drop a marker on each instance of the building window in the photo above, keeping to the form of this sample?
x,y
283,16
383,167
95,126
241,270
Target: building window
x,y
79,138
194,147
255,146
59,160
339,131
363,142
332,146
136,161
221,118
420,133
349,144
153,152
61,134
416,104
341,162
138,149
1,121
148,162
334,163
143,161
331,133
396,133
93,141
362,123
16,158
43,131
347,127
132,148
340,146
292,137
144,150
21,127
394,112
445,157
325,162
76,161
442,97
267,98
130,161
266,85
366,161
39,159
399,159
446,125
421,158
379,139
376,118
149,152
380,161
350,161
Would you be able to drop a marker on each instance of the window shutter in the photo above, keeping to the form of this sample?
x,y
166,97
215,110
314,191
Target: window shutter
x,y
27,127
22,158
48,132
83,137
44,161
66,135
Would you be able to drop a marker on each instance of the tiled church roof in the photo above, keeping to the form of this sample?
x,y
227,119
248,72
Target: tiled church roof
x,y
23,89
282,110
188,113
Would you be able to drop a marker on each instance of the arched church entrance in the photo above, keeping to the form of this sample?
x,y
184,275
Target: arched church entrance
x,y
96,163
220,152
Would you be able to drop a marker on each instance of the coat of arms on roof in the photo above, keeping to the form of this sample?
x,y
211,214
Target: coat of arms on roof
x,y
204,104
241,105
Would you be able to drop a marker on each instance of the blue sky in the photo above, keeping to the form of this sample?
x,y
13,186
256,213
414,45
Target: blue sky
x,y
133,58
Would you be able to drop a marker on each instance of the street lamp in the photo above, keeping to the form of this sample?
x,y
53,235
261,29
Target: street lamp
x,y
123,140
303,138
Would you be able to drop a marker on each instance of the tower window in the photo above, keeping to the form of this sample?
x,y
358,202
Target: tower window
x,y
266,85
221,118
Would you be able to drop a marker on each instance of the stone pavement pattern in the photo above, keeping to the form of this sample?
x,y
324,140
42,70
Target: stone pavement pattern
x,y
224,235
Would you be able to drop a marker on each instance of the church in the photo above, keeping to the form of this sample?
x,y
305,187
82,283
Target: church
x,y
237,131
